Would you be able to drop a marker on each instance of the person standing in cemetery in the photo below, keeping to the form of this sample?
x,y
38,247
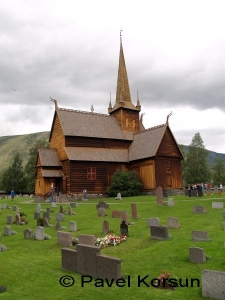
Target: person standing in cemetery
x,y
12,194
51,194
221,187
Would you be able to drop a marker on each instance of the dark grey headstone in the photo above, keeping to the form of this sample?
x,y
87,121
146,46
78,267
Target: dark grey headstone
x,y
159,233
102,204
124,228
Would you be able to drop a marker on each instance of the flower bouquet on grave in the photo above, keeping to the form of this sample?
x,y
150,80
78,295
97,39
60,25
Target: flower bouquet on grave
x,y
110,240
23,221
163,281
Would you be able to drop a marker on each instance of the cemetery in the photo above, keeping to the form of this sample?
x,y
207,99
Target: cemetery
x,y
128,242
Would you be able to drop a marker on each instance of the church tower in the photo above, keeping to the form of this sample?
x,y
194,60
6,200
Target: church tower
x,y
126,113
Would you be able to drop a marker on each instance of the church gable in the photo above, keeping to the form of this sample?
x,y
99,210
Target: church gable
x,y
168,145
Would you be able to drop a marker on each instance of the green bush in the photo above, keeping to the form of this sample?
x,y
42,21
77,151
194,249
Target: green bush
x,y
125,182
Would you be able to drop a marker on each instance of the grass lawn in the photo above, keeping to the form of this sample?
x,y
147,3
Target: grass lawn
x,y
31,269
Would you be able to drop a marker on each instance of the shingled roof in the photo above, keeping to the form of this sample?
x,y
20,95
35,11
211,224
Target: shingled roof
x,y
49,157
88,124
146,143
97,154
52,173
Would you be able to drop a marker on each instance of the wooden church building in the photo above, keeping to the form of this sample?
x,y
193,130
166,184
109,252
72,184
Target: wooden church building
x,y
86,148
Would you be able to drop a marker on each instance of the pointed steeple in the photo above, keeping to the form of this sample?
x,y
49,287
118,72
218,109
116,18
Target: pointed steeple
x,y
138,106
123,98
110,105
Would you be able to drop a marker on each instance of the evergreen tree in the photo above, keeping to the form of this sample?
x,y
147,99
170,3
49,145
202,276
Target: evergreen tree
x,y
219,172
30,165
196,169
14,177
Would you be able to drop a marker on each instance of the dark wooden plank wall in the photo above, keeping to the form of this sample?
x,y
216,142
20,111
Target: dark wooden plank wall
x,y
67,174
79,180
73,141
168,173
168,146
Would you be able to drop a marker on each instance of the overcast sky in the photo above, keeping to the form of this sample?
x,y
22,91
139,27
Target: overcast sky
x,y
69,50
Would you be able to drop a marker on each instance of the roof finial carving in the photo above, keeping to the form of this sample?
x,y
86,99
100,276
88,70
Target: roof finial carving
x,y
167,118
92,108
55,101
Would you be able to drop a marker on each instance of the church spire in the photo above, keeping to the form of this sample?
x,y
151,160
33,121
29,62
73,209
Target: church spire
x,y
123,90
123,98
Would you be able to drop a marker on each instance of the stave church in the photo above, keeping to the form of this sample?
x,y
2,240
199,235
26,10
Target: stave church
x,y
86,148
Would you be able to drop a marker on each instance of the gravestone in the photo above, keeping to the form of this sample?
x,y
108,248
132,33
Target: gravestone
x,y
102,204
101,212
213,286
153,222
7,230
199,209
15,208
159,195
172,222
116,214
60,217
9,219
17,219
36,215
170,202
134,211
64,238
70,211
217,204
61,210
87,239
28,234
159,233
198,235
38,208
54,204
73,226
124,216
73,204
84,195
216,189
46,223
118,197
58,226
105,227
39,233
124,228
197,255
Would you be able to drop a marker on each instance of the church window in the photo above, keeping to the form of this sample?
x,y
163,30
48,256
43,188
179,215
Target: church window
x,y
91,173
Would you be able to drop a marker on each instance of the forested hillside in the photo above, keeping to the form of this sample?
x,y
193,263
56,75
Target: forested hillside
x,y
9,145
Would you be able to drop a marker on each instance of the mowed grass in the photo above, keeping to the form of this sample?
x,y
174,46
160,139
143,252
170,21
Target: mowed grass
x,y
31,269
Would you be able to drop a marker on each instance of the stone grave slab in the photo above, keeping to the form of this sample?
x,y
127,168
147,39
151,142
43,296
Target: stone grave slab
x,y
159,233
153,222
198,235
197,255
64,238
173,222
213,286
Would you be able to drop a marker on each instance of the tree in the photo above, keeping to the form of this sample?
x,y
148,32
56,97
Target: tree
x,y
196,169
14,177
125,182
219,172
30,165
